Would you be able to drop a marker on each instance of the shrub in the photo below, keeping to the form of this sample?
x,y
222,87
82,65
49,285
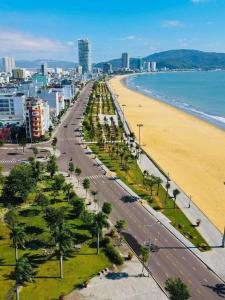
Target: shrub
x,y
130,255
107,240
113,254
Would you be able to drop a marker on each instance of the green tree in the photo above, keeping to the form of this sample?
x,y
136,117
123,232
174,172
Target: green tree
x,y
176,192
18,184
54,218
71,167
11,218
52,166
1,143
54,143
107,208
100,222
78,173
158,181
35,151
50,129
23,273
68,189
17,234
78,206
144,256
86,184
177,289
94,193
23,143
167,191
42,200
63,239
120,226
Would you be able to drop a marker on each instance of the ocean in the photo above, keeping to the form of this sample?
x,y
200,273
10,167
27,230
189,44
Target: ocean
x,y
201,94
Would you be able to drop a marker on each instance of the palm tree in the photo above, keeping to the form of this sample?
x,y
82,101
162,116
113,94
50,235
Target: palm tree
x,y
78,173
63,240
68,189
144,257
150,182
71,168
94,194
145,175
86,184
158,181
167,189
17,234
176,192
177,289
23,273
100,221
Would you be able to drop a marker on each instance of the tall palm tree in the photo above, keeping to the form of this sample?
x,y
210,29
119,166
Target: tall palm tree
x,y
63,240
176,192
167,191
68,188
78,173
23,273
145,175
94,193
144,257
17,234
86,184
158,181
100,221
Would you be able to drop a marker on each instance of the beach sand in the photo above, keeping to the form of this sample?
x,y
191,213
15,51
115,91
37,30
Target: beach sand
x,y
191,150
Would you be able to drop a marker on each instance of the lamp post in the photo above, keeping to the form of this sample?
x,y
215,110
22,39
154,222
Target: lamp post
x,y
123,105
139,136
223,239
189,203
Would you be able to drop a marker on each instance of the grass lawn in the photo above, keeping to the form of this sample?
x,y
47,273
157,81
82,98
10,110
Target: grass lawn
x,y
78,266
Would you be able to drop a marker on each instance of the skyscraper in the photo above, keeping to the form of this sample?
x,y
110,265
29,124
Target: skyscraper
x,y
139,64
153,66
84,55
8,64
125,61
44,69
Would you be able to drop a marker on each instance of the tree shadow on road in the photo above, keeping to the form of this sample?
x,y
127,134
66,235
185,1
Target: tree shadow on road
x,y
219,289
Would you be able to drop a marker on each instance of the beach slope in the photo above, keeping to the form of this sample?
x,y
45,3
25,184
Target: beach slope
x,y
191,150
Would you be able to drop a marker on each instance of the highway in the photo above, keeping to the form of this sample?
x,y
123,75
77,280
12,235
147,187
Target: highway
x,y
172,259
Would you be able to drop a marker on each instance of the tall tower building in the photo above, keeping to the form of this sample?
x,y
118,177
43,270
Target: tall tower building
x,y
44,69
125,60
84,55
8,64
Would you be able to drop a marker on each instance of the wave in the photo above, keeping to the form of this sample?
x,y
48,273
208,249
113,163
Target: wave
x,y
213,119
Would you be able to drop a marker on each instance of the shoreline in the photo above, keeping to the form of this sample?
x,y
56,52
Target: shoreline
x,y
217,121
191,150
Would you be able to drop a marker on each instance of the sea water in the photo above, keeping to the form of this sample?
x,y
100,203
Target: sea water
x,y
199,93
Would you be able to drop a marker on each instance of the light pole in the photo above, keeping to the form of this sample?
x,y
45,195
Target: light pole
x,y
123,105
189,203
139,136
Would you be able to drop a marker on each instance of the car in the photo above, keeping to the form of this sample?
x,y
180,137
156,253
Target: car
x,y
65,126
24,161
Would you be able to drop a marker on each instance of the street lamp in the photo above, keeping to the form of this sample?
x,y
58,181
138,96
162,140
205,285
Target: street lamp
x,y
223,239
189,203
123,105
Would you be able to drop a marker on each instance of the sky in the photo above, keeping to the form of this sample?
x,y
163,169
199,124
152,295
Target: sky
x,y
47,29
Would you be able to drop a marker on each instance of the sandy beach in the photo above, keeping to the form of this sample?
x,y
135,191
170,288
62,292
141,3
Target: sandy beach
x,y
191,150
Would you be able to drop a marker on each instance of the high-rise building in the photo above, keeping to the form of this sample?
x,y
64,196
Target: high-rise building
x,y
147,66
125,61
107,68
84,55
139,64
8,64
44,69
78,70
153,66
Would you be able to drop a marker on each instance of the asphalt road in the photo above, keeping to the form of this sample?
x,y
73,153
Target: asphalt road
x,y
172,259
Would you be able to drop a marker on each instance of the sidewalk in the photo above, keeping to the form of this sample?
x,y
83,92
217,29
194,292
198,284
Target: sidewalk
x,y
121,283
215,258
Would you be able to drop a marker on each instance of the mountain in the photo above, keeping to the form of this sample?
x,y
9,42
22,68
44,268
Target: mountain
x,y
180,59
37,63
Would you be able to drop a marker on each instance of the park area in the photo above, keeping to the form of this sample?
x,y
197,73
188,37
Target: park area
x,y
47,236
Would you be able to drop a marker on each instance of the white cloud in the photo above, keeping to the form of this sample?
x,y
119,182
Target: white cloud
x,y
173,23
200,1
128,38
11,41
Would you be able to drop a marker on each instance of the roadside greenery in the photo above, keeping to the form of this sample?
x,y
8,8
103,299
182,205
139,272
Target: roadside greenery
x,y
119,153
47,235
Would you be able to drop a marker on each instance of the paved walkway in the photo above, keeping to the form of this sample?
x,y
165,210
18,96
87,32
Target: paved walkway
x,y
215,258
122,283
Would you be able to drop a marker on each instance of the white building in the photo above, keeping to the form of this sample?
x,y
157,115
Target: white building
x,y
12,108
19,73
147,66
8,64
153,66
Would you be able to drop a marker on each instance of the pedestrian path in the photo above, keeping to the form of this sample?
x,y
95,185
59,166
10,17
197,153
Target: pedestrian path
x,y
93,177
4,161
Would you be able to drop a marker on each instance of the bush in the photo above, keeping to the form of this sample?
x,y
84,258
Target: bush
x,y
107,240
113,254
130,255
